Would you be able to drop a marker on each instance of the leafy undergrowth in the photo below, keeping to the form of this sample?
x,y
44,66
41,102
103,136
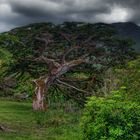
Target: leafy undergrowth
x,y
129,80
55,124
116,117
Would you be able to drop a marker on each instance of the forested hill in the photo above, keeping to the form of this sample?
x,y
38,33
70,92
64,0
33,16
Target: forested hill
x,y
131,30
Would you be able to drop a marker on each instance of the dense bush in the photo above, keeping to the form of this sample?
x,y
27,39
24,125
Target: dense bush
x,y
111,119
130,79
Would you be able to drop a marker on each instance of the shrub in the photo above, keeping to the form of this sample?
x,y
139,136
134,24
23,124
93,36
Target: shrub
x,y
111,119
129,77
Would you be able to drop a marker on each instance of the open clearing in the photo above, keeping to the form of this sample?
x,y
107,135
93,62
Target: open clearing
x,y
21,123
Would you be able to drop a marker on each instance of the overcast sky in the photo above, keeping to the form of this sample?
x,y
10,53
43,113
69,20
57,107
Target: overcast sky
x,y
15,13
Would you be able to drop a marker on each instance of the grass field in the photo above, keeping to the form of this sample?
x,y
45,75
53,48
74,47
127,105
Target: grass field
x,y
25,124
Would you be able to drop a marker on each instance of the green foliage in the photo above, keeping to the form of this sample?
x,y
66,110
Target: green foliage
x,y
5,60
25,85
111,119
116,117
5,55
129,77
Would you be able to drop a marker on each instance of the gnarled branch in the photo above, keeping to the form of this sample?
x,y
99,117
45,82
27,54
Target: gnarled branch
x,y
71,86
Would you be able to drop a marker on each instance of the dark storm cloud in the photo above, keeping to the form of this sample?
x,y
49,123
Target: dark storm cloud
x,y
126,3
19,12
59,8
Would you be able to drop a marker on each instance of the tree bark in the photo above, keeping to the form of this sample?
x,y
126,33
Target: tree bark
x,y
42,85
39,98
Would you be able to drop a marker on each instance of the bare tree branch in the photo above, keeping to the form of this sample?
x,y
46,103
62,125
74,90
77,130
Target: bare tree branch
x,y
67,51
75,79
81,60
65,36
81,101
50,61
44,40
68,85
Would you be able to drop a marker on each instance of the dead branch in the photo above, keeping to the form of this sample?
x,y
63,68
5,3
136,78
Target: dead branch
x,y
50,61
81,60
69,95
68,85
65,36
69,79
44,40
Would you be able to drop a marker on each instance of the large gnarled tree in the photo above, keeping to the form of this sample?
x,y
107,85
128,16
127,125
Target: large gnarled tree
x,y
56,52
61,63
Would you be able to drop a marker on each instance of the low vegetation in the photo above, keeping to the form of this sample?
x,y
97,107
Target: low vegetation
x,y
111,119
116,117
20,122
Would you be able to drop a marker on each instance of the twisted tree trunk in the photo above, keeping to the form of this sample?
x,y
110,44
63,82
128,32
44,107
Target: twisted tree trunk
x,y
39,98
56,71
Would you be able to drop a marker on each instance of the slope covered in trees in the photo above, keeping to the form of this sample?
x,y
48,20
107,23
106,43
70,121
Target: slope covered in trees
x,y
131,30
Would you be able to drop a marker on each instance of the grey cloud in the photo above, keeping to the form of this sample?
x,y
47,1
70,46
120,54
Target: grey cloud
x,y
132,5
126,3
29,11
58,8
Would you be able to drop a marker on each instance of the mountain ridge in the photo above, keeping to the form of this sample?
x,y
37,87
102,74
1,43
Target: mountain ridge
x,y
129,30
